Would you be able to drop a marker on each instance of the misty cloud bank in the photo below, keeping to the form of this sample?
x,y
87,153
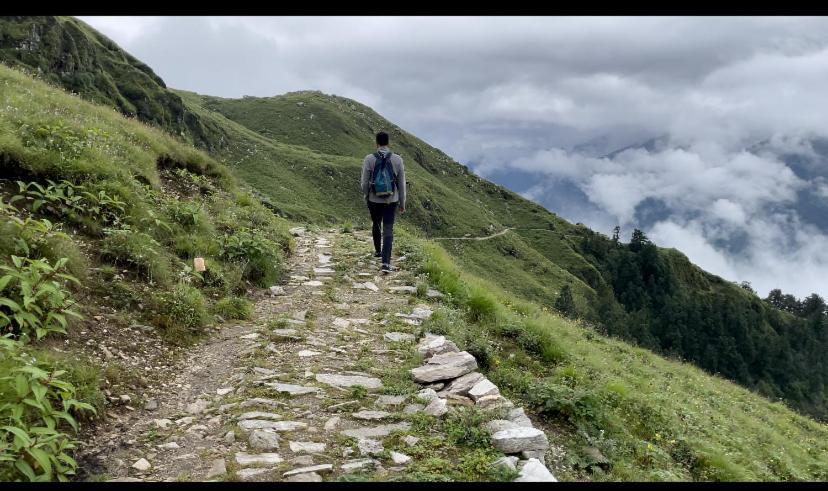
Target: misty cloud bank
x,y
734,176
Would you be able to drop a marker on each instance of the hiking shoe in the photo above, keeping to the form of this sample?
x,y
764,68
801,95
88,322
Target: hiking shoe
x,y
377,254
386,268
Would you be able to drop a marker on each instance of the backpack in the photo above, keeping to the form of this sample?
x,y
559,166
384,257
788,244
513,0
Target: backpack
x,y
383,181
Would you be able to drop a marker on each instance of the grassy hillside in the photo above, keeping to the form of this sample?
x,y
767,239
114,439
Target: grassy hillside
x,y
651,418
100,219
68,52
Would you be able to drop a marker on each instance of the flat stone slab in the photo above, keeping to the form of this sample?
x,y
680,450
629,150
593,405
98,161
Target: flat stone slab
x,y
402,289
368,285
433,294
313,283
534,471
246,459
437,407
445,366
399,337
370,383
305,477
399,458
306,353
355,465
341,323
260,424
306,447
260,415
285,332
247,475
462,385
387,400
324,258
432,345
262,401
483,388
313,468
263,440
294,390
323,271
376,431
370,415
519,439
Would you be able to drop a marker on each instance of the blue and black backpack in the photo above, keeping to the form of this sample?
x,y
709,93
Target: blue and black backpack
x,y
383,180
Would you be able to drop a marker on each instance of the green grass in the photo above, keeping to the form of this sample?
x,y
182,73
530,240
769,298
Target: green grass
x,y
656,419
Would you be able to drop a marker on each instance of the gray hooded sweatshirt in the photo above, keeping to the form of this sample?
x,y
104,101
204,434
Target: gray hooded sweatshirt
x,y
368,171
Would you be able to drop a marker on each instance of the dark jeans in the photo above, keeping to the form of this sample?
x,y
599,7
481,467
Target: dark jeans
x,y
383,213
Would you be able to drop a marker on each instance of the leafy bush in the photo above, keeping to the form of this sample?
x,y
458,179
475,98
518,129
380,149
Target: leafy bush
x,y
35,410
181,313
33,297
138,251
233,308
71,201
261,257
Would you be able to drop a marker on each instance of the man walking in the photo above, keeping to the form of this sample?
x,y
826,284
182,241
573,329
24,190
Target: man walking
x,y
383,184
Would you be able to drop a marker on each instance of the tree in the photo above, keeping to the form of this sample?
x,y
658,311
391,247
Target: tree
x,y
565,304
616,234
638,240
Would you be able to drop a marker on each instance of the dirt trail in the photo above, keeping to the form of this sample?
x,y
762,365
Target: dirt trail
x,y
285,375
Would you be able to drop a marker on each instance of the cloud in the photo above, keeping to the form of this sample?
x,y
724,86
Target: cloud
x,y
545,98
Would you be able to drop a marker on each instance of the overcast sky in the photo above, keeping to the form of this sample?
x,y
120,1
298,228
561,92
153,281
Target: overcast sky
x,y
544,98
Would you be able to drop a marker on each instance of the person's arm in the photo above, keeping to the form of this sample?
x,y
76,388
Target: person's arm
x,y
365,180
401,185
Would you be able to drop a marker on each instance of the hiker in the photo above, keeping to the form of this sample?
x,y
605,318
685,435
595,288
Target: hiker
x,y
383,184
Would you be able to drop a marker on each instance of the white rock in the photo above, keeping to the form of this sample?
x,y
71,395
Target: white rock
x,y
341,323
437,407
142,465
313,283
252,335
251,474
399,458
332,423
427,394
297,231
246,459
534,471
197,407
462,385
516,440
370,383
314,468
258,424
263,440
229,437
444,366
518,416
433,294
323,271
162,423
402,289
483,388
305,353
305,477
376,431
294,390
218,468
368,446
306,447
410,440
169,446
432,345
277,291
259,415
184,421
224,391
370,415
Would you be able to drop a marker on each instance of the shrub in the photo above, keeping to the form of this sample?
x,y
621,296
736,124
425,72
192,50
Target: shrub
x,y
233,308
180,313
227,278
33,297
35,409
139,252
261,257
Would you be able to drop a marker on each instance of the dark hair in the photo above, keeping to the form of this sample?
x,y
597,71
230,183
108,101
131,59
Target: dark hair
x,y
382,138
